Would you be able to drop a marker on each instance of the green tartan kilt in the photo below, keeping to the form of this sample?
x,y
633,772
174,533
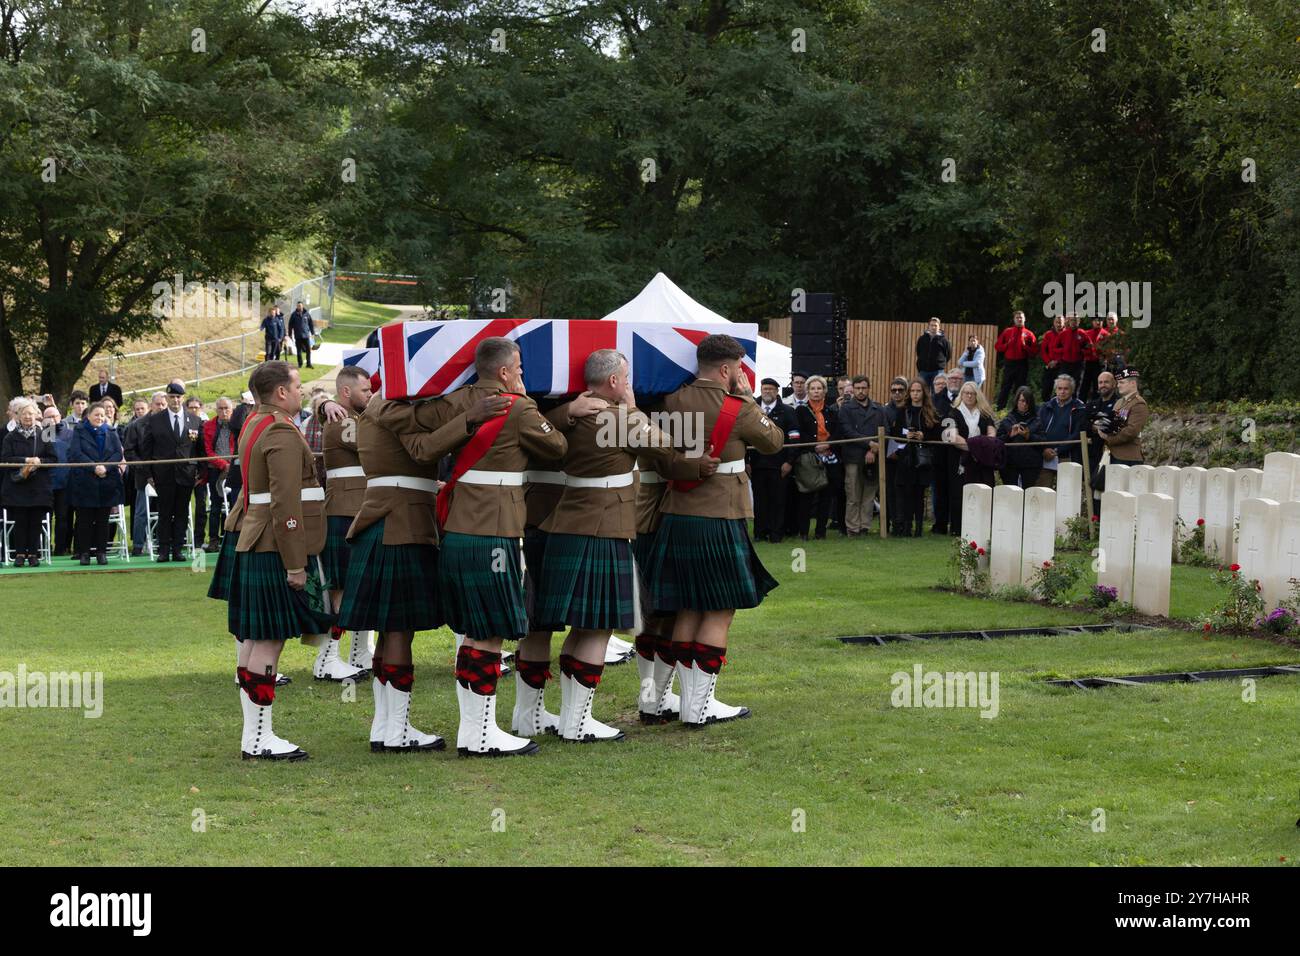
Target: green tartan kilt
x,y
642,546
334,559
704,564
390,587
534,551
268,609
223,575
587,582
482,586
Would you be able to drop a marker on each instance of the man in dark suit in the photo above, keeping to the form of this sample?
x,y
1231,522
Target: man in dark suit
x,y
106,389
172,433
302,328
771,473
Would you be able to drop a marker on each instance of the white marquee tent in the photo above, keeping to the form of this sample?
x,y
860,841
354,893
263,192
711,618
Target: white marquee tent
x,y
662,301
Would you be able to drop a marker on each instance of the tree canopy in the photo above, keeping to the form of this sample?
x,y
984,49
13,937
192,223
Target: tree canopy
x,y
918,157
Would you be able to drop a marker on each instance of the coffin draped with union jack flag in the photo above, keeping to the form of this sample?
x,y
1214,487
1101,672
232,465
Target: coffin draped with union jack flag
x,y
425,359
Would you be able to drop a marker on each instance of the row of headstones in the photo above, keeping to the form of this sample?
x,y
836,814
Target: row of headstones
x,y
1015,526
1134,554
1215,495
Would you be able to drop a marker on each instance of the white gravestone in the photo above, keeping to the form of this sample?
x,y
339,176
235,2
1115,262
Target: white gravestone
x,y
1257,544
1117,477
1248,482
1039,542
1220,493
1287,565
1164,481
1151,555
1139,479
1279,476
1008,520
1115,542
977,518
1191,499
1069,492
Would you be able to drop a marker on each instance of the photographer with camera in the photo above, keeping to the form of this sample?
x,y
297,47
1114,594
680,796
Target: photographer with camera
x,y
1100,416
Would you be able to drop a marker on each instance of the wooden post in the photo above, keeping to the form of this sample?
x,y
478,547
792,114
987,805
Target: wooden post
x,y
1087,481
881,484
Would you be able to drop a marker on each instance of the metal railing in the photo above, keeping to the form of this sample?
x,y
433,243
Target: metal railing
x,y
200,361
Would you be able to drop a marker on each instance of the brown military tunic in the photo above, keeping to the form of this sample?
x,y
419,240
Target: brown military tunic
x,y
280,464
724,494
608,445
345,479
405,440
499,510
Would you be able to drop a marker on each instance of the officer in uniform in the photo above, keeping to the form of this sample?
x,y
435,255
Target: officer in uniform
x,y
345,488
391,582
656,702
702,564
482,509
283,529
589,580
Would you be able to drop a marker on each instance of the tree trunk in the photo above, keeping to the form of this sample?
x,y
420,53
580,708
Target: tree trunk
x,y
61,357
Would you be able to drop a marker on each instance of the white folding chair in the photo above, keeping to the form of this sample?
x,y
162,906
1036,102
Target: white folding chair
x,y
150,522
7,527
117,519
47,539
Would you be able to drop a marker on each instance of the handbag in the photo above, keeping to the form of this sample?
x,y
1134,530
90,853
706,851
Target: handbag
x,y
810,473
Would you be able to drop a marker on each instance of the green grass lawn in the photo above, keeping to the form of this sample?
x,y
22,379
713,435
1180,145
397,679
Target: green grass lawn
x,y
1186,773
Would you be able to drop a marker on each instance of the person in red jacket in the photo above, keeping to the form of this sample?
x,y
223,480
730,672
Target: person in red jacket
x,y
1095,336
1069,348
1049,352
1016,345
219,438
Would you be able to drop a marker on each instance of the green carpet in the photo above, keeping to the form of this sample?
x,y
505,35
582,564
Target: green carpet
x,y
114,564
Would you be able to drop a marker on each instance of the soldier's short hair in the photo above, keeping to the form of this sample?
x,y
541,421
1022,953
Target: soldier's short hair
x,y
601,364
267,377
350,375
713,350
491,354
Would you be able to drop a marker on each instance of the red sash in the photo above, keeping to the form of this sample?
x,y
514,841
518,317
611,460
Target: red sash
x,y
474,450
717,438
248,455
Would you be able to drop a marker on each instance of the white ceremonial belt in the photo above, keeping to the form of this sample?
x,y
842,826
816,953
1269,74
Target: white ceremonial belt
x,y
546,477
351,471
308,494
651,478
476,477
731,467
610,481
403,481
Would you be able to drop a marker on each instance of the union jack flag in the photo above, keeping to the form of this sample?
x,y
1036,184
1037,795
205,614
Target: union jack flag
x,y
367,360
423,359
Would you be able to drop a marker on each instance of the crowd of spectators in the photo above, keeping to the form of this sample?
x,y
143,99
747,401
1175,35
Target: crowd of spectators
x,y
942,433
127,471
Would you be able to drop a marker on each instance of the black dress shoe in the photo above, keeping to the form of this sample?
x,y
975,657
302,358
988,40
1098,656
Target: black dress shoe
x,y
85,560
137,552
102,559
178,556
163,557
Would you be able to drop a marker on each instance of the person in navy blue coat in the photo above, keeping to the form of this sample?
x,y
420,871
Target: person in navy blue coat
x,y
94,492
302,328
273,332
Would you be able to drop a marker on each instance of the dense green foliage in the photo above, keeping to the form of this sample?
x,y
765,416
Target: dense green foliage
x,y
568,151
